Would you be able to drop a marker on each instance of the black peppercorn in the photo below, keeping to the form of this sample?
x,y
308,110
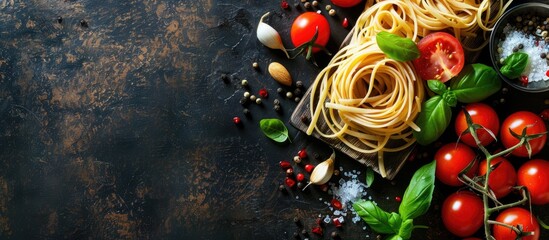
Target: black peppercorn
x,y
246,111
543,55
276,102
297,92
297,221
280,90
304,233
83,23
282,188
521,46
59,19
299,84
225,78
296,235
277,108
515,49
244,100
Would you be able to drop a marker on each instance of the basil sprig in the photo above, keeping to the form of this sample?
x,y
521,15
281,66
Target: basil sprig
x,y
514,65
415,202
474,83
274,129
397,47
435,115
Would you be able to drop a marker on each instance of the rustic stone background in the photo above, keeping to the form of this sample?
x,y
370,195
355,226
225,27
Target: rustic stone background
x,y
120,127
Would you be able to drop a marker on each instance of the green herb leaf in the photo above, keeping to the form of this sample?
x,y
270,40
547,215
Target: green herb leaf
x,y
418,195
406,229
437,86
433,119
369,177
397,47
475,83
514,65
378,220
274,129
394,237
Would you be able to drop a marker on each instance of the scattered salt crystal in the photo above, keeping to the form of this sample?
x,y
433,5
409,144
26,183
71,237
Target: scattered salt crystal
x,y
327,219
356,219
319,199
337,212
331,208
341,219
341,169
296,197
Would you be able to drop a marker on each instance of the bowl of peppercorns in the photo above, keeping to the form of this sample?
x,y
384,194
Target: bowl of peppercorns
x,y
519,47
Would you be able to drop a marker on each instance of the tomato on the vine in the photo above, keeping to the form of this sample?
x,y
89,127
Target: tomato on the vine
x,y
534,175
516,122
516,216
502,179
346,3
304,28
451,159
463,213
483,115
441,57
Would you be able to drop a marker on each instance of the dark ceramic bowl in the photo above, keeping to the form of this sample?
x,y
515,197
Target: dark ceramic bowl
x,y
522,10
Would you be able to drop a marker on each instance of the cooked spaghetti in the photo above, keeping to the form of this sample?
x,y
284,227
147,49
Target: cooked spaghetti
x,y
368,101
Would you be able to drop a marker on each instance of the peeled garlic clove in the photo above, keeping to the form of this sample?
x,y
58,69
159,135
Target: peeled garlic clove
x,y
322,172
269,37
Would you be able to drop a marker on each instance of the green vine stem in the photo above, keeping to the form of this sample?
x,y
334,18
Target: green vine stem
x,y
484,188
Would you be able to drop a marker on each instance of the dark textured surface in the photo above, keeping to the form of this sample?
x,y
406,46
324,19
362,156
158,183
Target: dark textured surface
x,y
121,128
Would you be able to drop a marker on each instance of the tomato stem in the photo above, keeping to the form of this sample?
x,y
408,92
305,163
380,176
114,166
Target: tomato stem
x,y
484,188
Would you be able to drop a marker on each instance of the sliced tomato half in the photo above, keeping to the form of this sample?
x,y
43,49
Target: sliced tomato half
x,y
441,57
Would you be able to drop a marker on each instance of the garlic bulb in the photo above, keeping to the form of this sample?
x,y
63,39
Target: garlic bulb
x,y
322,172
268,36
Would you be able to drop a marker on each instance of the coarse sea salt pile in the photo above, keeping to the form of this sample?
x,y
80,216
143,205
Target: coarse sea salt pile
x,y
348,190
537,68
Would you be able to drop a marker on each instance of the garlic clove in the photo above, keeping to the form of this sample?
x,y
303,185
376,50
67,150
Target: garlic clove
x,y
322,172
268,36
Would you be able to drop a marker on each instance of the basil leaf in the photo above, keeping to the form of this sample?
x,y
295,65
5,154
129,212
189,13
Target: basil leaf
x,y
394,237
406,229
378,220
514,65
433,119
437,86
274,129
369,177
397,47
418,195
475,83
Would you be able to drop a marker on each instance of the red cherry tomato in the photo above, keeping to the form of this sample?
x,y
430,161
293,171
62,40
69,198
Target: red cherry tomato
x,y
441,57
501,179
463,213
346,3
534,175
451,159
304,28
516,122
516,216
483,115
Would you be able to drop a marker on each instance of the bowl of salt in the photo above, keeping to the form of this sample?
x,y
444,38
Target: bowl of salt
x,y
519,47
